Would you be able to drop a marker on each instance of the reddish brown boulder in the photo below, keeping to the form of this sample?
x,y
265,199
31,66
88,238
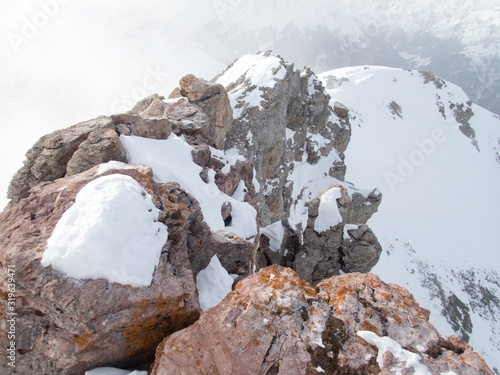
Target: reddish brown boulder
x,y
276,323
67,326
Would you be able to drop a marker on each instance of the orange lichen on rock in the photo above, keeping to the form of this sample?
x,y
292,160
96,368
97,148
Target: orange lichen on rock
x,y
83,341
369,326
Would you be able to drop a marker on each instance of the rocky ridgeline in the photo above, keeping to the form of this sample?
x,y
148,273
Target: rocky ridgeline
x,y
290,169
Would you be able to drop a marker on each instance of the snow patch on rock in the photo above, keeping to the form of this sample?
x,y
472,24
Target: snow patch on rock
x,y
213,284
329,214
110,232
386,344
171,160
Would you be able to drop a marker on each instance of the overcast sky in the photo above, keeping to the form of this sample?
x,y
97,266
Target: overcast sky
x,y
63,62
67,61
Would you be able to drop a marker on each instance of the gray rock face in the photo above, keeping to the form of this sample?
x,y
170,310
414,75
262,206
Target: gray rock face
x,y
361,251
101,146
340,110
284,125
340,248
213,100
462,116
363,207
277,131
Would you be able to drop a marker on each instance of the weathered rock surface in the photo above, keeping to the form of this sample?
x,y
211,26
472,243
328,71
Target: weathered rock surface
x,y
214,102
101,146
294,111
325,253
59,326
276,323
281,151
47,159
283,124
80,147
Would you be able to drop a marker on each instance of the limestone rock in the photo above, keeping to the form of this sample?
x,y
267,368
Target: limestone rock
x,y
361,252
47,159
80,147
213,100
327,252
340,110
189,120
284,125
147,127
101,146
61,327
275,323
363,207
294,104
151,106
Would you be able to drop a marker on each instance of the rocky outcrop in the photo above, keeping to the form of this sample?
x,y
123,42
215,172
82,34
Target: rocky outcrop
x,y
462,116
273,142
101,146
276,122
48,158
283,124
213,101
340,247
80,147
59,326
276,323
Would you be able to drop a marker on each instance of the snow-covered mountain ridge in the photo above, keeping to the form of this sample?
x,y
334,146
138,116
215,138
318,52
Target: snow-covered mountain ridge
x,y
238,177
435,156
458,40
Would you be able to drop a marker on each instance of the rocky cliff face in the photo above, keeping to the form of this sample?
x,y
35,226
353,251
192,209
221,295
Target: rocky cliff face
x,y
261,183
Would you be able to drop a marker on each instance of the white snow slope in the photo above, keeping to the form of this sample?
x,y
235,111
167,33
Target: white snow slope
x,y
440,213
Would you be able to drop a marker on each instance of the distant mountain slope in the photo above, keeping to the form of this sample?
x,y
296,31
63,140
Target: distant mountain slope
x,y
435,156
459,40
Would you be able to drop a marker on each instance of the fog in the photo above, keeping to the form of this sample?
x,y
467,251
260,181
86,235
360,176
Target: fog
x,y
86,59
66,61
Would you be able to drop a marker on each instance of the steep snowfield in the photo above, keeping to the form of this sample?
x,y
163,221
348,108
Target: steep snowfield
x,y
439,217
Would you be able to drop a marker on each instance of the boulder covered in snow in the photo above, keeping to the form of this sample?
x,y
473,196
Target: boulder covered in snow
x,y
276,323
100,269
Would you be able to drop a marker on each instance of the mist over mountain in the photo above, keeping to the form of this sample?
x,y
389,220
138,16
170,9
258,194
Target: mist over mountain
x,y
458,40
